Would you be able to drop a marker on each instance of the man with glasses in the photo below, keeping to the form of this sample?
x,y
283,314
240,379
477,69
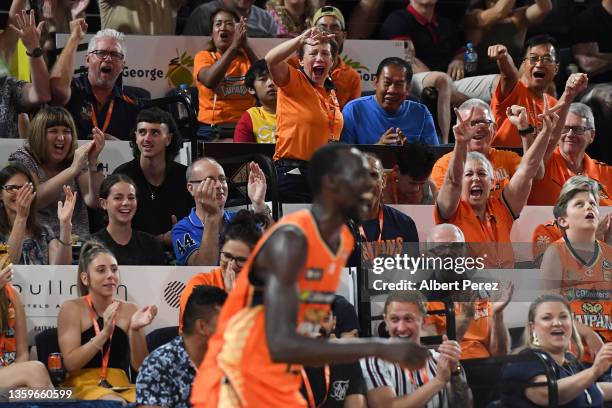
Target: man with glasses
x,y
346,80
569,159
540,66
96,98
504,162
479,322
195,238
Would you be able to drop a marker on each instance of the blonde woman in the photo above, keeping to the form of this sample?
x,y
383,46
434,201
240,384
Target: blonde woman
x,y
550,331
101,337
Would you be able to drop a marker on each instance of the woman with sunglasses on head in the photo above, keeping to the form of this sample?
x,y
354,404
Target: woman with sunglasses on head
x,y
100,336
130,247
219,73
237,241
54,160
30,242
551,332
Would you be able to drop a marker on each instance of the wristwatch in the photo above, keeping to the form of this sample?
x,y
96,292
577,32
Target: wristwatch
x,y
526,131
35,53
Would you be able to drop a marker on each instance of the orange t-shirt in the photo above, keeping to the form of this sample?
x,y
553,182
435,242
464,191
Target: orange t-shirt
x,y
233,99
8,341
489,239
546,191
212,278
475,342
588,288
507,134
347,82
237,369
307,117
504,164
543,236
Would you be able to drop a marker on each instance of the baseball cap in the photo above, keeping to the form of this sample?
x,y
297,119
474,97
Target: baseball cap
x,y
328,11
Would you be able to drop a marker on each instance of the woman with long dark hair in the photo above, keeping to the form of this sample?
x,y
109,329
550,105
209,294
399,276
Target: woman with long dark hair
x,y
130,247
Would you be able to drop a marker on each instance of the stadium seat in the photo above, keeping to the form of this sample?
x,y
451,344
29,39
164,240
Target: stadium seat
x,y
161,336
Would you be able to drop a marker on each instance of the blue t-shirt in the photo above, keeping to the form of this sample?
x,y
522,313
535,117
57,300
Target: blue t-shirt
x,y
187,235
365,121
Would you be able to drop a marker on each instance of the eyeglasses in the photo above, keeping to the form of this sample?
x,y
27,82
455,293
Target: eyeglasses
x,y
11,188
477,122
227,257
220,179
546,59
577,130
112,55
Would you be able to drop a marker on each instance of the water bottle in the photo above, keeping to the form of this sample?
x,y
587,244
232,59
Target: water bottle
x,y
470,59
181,108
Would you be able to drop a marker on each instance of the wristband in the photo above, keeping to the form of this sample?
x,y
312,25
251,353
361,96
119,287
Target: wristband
x,y
526,131
63,242
35,53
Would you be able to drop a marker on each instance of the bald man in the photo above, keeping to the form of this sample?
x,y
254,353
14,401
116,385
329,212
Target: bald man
x,y
480,326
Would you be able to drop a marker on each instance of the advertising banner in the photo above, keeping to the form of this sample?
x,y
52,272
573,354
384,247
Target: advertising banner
x,y
43,289
161,63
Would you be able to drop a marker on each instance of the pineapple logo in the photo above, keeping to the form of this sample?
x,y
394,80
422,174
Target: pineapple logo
x,y
354,64
179,70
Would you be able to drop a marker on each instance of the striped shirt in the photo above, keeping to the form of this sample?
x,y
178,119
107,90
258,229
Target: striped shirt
x,y
380,373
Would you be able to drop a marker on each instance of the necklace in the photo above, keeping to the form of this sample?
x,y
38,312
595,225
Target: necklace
x,y
152,190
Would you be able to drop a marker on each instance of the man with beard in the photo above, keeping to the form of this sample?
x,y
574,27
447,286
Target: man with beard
x,y
96,98
269,324
479,323
195,238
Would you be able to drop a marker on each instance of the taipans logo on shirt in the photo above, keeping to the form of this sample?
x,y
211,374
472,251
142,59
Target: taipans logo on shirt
x,y
594,316
180,70
232,86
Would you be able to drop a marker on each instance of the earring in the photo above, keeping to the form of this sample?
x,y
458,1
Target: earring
x,y
535,341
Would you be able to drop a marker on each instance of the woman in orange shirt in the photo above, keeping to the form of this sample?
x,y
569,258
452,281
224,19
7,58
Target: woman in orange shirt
x,y
237,243
465,197
219,72
308,115
15,369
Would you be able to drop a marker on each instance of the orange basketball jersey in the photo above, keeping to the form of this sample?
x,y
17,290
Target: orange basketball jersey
x,y
589,287
237,370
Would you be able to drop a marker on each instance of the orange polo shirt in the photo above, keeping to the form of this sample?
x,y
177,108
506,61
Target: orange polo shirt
x,y
507,134
232,95
483,237
546,191
212,278
307,117
543,236
504,164
475,342
347,82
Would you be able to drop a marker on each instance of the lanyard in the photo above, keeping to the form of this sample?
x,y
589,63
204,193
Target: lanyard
x,y
105,355
109,113
311,399
413,381
380,227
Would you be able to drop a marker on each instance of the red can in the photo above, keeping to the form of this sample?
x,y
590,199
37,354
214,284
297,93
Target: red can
x,y
54,362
